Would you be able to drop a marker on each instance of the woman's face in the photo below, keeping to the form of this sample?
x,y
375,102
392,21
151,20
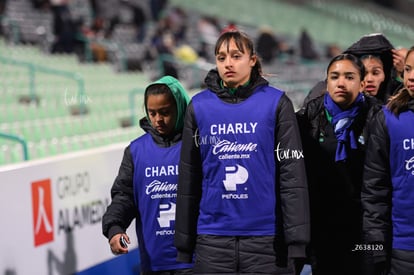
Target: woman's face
x,y
162,112
344,83
374,75
234,67
409,73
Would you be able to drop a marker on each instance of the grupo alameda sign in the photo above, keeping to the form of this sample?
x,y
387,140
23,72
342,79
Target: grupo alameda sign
x,y
82,208
53,210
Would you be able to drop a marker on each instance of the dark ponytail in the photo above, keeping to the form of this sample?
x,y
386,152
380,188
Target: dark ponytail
x,y
399,102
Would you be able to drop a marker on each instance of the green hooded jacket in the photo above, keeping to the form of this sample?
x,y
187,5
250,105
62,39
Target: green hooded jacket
x,y
181,98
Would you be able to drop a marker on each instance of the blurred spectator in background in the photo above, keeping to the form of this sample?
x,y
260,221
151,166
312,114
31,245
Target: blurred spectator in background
x,y
209,29
165,45
63,27
307,47
170,34
176,23
157,6
2,8
95,34
332,50
185,53
37,4
105,9
231,26
139,18
267,45
204,52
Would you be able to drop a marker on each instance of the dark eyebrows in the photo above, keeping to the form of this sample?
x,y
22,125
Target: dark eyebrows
x,y
334,73
350,73
162,109
229,51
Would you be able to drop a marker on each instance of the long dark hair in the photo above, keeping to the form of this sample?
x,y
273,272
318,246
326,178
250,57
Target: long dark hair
x,y
399,102
243,42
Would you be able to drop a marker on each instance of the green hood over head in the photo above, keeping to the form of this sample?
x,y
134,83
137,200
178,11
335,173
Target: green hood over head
x,y
180,95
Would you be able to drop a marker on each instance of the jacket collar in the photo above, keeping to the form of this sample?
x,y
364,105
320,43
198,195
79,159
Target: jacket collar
x,y
163,141
213,82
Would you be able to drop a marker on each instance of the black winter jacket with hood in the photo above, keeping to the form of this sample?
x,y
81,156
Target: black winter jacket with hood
x,y
293,193
377,44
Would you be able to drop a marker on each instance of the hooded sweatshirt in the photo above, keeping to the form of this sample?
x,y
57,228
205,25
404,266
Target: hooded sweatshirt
x,y
378,45
180,96
145,189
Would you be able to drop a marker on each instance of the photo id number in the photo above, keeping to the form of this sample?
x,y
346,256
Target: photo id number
x,y
368,247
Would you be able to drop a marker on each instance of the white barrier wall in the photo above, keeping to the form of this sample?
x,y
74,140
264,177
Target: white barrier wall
x,y
51,210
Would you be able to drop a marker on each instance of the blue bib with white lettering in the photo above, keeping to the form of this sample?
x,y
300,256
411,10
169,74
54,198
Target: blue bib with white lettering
x,y
239,170
155,190
401,133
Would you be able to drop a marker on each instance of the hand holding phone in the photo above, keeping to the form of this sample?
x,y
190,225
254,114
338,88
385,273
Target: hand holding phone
x,y
123,242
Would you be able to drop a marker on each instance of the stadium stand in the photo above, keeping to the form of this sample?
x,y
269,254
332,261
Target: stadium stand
x,y
41,103
22,23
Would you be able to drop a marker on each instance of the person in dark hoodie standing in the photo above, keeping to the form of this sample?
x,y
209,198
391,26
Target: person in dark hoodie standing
x,y
373,47
378,45
334,135
388,189
242,199
146,185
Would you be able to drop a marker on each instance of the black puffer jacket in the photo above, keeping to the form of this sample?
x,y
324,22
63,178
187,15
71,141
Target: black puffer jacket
x,y
293,197
377,190
334,187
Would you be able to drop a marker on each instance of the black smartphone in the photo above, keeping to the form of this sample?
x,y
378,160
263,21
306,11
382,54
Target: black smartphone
x,y
123,242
